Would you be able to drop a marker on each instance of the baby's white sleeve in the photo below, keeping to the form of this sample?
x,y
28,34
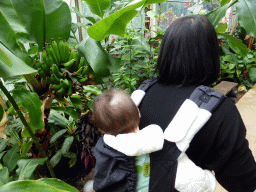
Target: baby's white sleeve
x,y
191,178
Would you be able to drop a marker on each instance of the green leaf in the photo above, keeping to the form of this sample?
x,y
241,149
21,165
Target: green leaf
x,y
97,7
57,118
32,104
34,186
236,45
31,14
7,35
96,56
6,8
33,50
56,158
252,74
4,176
76,101
92,89
57,135
222,27
3,144
2,154
57,19
26,145
215,16
11,157
68,110
26,167
73,158
148,2
246,12
1,112
67,144
116,22
58,184
224,2
16,67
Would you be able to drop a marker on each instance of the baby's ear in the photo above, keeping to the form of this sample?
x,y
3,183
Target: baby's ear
x,y
139,113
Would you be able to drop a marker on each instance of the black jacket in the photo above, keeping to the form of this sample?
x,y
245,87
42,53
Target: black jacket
x,y
220,145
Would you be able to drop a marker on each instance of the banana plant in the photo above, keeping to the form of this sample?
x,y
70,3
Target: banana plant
x,y
246,13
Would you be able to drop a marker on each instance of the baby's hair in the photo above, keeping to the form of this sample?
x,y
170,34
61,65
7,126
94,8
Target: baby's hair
x,y
115,112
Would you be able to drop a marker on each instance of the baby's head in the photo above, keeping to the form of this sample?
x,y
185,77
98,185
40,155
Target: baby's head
x,y
115,113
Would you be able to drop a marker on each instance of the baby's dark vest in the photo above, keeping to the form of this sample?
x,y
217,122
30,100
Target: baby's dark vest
x,y
163,170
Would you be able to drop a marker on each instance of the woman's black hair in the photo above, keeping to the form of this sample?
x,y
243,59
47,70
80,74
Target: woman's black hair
x,y
189,53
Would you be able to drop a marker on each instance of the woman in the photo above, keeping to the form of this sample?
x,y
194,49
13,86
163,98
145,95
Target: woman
x,y
188,58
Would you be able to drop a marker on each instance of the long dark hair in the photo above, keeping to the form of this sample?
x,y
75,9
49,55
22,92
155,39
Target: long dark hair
x,y
189,53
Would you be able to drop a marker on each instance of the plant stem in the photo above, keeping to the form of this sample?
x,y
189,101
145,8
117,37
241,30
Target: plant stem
x,y
23,120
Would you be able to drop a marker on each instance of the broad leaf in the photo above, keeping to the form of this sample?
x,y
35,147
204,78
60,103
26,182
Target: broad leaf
x,y
32,104
68,110
76,101
57,119
97,7
42,185
57,135
148,2
11,157
57,19
246,12
116,22
96,56
67,144
92,89
16,67
26,146
31,14
224,2
58,184
4,176
7,35
26,167
6,8
222,27
252,74
56,158
215,16
236,45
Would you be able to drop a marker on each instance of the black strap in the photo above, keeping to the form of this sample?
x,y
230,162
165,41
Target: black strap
x,y
206,98
145,85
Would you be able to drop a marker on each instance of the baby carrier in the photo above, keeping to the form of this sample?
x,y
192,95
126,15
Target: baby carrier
x,y
190,118
196,111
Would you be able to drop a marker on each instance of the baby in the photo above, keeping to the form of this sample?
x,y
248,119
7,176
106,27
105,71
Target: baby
x,y
122,153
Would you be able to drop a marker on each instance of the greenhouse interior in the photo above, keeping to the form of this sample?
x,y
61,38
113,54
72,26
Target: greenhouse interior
x,y
58,56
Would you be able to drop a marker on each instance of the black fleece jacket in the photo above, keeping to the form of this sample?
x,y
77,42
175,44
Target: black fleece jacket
x,y
219,146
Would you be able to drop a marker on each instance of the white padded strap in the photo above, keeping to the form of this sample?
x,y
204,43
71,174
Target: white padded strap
x,y
147,140
182,121
137,96
202,117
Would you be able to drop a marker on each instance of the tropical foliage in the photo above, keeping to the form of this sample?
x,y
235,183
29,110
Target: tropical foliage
x,y
49,81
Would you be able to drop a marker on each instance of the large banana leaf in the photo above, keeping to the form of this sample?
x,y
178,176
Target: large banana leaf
x,y
57,19
42,185
246,12
7,35
44,19
116,22
11,65
97,7
31,14
236,44
215,16
11,16
97,57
